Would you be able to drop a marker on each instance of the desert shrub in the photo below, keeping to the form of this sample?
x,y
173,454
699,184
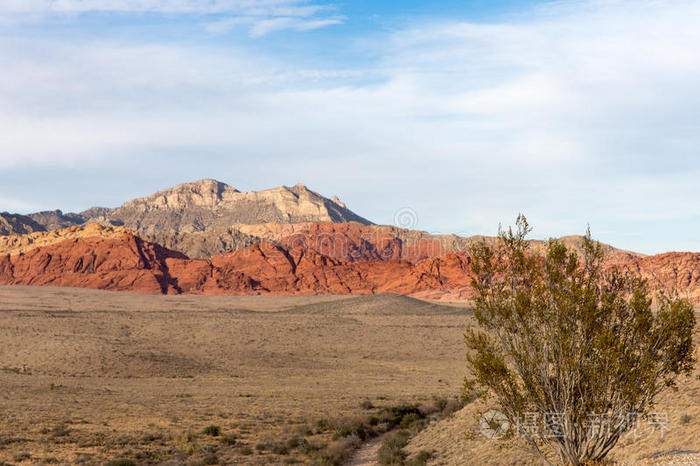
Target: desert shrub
x,y
392,415
322,425
452,405
409,419
61,430
685,418
391,452
120,462
421,458
292,461
303,430
294,442
147,438
308,447
338,452
22,457
357,427
211,458
278,448
367,404
212,430
440,402
228,440
245,451
564,335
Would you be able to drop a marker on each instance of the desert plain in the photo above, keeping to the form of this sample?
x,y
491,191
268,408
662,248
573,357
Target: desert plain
x,y
90,376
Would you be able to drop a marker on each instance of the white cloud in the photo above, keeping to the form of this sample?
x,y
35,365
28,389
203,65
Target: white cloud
x,y
258,7
262,16
261,27
583,111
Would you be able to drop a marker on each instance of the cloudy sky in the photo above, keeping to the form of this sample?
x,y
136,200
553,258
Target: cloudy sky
x,y
466,112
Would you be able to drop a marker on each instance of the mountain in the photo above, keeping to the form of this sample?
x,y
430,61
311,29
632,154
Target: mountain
x,y
211,205
16,224
20,244
122,263
119,260
56,219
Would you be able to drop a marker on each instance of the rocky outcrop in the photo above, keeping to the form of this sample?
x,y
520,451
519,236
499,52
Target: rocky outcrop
x,y
211,205
204,244
125,262
354,242
17,244
16,224
56,219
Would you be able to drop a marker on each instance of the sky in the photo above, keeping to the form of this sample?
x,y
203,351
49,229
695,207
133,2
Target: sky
x,y
453,116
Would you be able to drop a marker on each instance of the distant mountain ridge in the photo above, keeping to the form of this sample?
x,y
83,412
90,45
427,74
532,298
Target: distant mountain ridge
x,y
203,205
212,205
113,259
205,218
16,224
207,237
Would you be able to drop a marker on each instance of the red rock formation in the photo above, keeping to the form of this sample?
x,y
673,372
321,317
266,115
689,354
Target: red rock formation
x,y
127,263
352,242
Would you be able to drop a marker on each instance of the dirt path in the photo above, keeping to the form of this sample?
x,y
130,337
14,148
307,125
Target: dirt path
x,y
367,454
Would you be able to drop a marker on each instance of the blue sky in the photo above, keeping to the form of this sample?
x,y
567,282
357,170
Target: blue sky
x,y
572,112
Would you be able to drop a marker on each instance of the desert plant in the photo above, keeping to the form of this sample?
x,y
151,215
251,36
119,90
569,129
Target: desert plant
x,y
574,343
212,430
120,462
22,457
229,440
391,451
420,459
367,404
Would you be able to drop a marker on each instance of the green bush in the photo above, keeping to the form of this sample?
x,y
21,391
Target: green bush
x,y
366,405
278,448
212,430
391,452
22,457
421,459
355,427
228,440
120,462
211,458
563,332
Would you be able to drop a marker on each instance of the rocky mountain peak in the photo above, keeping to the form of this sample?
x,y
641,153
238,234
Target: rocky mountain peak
x,y
212,205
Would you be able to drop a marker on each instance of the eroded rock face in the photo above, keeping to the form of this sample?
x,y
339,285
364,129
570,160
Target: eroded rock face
x,y
56,219
16,224
125,262
16,244
212,205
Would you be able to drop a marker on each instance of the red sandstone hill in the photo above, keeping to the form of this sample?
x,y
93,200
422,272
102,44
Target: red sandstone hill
x,y
128,263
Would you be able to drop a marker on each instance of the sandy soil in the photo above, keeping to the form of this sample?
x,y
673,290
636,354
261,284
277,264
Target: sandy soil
x,y
89,376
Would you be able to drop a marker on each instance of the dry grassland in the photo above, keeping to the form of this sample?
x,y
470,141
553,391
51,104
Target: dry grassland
x,y
89,376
